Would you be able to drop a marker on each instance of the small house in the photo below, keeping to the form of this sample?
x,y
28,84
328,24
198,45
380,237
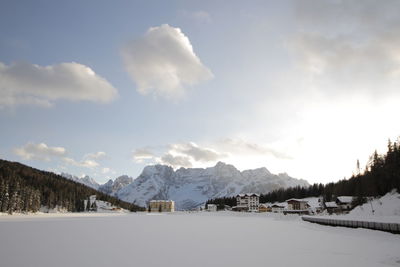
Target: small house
x,y
264,208
297,206
211,207
331,207
344,203
277,208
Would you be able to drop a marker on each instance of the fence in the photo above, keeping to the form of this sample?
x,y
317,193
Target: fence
x,y
387,227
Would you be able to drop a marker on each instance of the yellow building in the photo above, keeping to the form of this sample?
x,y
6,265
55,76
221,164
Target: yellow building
x,y
162,206
264,208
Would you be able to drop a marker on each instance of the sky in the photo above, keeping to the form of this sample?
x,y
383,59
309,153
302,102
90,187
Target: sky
x,y
104,88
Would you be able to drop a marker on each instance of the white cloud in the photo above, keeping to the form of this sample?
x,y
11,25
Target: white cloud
x,y
163,63
141,154
43,152
192,150
176,161
40,151
97,155
25,83
86,163
179,155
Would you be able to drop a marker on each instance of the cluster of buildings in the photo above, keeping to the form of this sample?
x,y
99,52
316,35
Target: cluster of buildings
x,y
251,203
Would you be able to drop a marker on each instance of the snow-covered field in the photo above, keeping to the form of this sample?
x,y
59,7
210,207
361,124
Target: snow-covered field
x,y
189,239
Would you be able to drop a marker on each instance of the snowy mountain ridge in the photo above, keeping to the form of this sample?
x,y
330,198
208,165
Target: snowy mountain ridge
x,y
191,187
86,180
112,187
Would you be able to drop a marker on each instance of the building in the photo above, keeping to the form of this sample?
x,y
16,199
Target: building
x,y
248,202
331,207
211,207
277,208
316,204
344,203
90,204
297,206
264,208
162,206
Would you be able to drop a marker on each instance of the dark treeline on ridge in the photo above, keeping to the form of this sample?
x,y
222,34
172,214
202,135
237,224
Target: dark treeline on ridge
x,y
381,175
25,189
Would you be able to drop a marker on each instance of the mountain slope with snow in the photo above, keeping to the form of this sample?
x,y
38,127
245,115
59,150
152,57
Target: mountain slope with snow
x,y
111,187
86,180
191,187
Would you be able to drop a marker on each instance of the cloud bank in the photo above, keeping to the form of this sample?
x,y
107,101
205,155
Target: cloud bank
x,y
191,154
349,46
43,152
40,151
178,155
25,83
163,63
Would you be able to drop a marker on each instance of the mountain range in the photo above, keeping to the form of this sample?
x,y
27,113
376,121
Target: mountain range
x,y
192,187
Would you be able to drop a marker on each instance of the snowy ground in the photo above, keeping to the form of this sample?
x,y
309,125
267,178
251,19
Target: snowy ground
x,y
189,239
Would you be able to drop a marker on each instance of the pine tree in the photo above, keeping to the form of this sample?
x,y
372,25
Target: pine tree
x,y
2,193
5,202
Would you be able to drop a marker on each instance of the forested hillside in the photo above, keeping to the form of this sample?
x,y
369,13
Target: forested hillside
x,y
381,175
25,189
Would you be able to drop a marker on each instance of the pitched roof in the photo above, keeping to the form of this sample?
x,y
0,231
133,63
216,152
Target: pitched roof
x,y
248,195
298,200
345,199
331,204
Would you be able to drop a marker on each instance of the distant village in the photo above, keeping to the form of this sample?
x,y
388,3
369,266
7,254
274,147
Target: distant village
x,y
251,203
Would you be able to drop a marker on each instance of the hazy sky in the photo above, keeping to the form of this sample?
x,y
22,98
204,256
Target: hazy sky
x,y
106,87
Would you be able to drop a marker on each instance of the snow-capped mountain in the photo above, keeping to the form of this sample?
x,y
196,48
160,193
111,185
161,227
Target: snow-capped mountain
x,y
86,180
111,187
191,187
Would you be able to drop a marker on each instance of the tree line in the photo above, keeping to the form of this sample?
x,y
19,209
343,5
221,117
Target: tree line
x,y
25,189
380,176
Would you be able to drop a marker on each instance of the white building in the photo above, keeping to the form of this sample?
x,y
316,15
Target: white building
x,y
249,202
276,208
211,207
297,204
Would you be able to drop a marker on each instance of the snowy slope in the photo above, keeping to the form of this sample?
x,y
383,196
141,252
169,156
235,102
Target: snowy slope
x,y
388,205
86,180
191,187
